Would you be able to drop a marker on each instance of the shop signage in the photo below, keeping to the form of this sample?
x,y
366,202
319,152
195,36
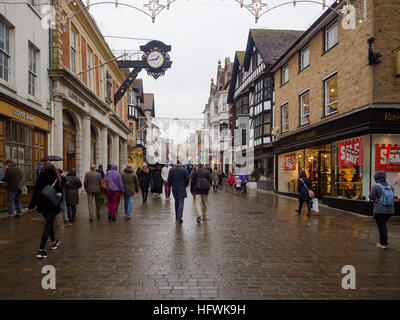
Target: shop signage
x,y
350,153
290,162
307,135
387,157
392,116
74,97
23,115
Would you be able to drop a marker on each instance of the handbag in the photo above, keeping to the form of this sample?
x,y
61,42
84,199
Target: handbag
x,y
315,206
104,185
310,192
50,194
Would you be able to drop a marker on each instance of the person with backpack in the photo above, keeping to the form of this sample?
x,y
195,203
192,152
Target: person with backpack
x,y
72,185
305,192
382,194
131,187
201,184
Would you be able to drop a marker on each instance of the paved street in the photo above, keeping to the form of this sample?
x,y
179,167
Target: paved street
x,y
251,248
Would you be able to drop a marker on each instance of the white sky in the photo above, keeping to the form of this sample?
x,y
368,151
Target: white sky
x,y
201,32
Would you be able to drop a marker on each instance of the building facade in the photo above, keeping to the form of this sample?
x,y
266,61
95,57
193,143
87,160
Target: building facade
x,y
25,107
337,110
83,87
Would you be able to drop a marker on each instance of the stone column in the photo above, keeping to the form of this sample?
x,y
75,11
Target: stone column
x,y
103,147
124,153
57,141
115,150
85,143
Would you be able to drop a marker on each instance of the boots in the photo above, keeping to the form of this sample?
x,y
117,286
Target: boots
x,y
67,224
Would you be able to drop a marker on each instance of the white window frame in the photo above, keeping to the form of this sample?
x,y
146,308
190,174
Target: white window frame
x,y
328,29
32,71
326,95
302,65
74,51
302,114
284,69
101,80
89,58
283,124
5,53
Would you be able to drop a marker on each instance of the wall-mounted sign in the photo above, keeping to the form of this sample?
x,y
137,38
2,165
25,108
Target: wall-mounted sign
x,y
290,162
74,97
387,157
350,153
23,115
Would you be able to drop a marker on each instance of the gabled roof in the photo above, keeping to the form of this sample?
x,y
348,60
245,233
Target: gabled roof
x,y
237,63
137,85
270,43
148,104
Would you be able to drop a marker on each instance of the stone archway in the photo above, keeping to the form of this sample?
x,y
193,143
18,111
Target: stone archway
x,y
70,138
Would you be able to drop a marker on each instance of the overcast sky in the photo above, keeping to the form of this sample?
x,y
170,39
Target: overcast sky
x,y
201,32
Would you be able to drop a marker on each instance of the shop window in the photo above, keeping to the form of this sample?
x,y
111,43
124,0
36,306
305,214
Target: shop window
x,y
285,117
32,74
331,95
5,56
305,108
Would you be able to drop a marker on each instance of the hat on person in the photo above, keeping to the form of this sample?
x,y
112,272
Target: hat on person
x,y
9,161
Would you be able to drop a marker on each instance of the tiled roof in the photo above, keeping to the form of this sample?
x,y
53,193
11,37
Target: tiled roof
x,y
148,101
273,43
240,56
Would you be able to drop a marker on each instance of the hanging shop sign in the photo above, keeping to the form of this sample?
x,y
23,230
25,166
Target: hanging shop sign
x,y
350,153
290,162
387,157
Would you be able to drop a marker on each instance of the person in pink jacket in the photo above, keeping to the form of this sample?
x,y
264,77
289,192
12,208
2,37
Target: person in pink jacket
x,y
114,190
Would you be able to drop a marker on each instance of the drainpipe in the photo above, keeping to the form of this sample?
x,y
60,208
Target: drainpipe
x,y
51,64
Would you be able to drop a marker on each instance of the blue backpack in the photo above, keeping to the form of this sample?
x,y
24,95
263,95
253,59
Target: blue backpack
x,y
387,198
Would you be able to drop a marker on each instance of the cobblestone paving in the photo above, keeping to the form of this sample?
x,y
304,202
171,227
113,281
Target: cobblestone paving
x,y
253,247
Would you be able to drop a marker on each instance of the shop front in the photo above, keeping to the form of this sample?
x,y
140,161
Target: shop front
x,y
341,157
264,169
23,138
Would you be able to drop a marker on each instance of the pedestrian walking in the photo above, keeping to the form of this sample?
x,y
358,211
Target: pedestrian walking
x,y
144,181
131,187
157,182
214,178
238,185
101,171
305,192
14,179
115,188
242,176
231,182
201,182
164,175
178,178
195,168
382,194
72,185
92,184
63,205
48,177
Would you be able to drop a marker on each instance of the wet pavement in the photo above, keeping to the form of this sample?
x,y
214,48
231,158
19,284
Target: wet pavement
x,y
253,247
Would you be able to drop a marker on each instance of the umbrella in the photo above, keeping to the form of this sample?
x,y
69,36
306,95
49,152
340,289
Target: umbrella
x,y
52,158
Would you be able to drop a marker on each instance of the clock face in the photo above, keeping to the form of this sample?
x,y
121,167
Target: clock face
x,y
155,59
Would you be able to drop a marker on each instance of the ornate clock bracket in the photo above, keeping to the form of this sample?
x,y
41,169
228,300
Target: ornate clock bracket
x,y
137,66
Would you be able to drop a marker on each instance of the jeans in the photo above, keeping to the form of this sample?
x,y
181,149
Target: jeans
x,y
96,197
145,192
309,204
128,205
199,200
231,187
71,213
179,207
63,207
244,187
167,188
381,220
14,197
48,230
112,198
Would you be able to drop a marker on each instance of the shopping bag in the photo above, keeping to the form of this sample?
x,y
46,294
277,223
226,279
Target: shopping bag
x,y
315,206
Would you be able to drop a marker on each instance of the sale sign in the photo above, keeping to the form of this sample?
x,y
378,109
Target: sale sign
x,y
387,158
290,162
350,153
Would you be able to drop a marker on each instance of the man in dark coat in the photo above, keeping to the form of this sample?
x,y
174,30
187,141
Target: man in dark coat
x,y
13,177
382,213
72,185
178,178
303,186
201,194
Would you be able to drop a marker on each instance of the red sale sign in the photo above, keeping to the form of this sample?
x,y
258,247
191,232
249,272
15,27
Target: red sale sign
x,y
290,162
350,153
387,157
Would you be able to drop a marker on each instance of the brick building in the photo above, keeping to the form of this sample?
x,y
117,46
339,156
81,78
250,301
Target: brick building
x,y
337,113
85,117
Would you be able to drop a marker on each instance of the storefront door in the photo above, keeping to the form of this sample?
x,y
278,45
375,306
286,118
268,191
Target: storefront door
x,y
324,173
